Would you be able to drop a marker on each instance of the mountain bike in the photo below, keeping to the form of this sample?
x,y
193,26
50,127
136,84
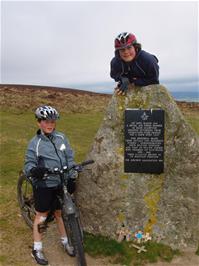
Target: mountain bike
x,y
70,212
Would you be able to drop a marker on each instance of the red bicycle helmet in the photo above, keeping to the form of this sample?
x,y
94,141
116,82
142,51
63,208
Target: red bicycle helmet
x,y
124,39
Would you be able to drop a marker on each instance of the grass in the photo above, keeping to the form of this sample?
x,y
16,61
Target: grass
x,y
17,128
193,120
197,251
124,254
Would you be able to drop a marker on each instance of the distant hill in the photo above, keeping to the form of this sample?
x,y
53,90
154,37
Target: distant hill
x,y
29,97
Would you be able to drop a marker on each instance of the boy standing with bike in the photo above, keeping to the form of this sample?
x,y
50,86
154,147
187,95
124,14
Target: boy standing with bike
x,y
48,149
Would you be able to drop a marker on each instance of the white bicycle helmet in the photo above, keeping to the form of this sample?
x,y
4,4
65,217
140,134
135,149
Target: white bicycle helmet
x,y
46,112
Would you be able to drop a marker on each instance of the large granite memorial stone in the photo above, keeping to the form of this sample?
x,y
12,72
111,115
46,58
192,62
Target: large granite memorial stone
x,y
163,204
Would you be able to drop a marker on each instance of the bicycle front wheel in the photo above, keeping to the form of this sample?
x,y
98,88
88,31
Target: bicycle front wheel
x,y
77,241
25,199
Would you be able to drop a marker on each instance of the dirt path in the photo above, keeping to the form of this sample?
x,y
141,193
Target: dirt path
x,y
57,257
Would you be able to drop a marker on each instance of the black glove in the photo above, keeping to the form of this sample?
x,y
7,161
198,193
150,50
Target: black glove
x,y
38,172
73,174
123,84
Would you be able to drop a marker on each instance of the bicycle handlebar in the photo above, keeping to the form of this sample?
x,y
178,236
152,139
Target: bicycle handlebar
x,y
65,169
87,162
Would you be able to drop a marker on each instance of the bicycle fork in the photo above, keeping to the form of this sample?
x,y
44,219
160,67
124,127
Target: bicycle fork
x,y
69,206
70,209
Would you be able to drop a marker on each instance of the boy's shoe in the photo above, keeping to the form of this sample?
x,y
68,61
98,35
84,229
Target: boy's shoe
x,y
39,257
69,249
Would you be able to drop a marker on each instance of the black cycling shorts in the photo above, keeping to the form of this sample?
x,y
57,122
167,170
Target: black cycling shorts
x,y
46,198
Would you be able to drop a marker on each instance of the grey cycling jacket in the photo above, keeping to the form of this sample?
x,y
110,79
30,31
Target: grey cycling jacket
x,y
48,151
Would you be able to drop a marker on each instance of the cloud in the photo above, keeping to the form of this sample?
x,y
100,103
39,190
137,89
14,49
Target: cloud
x,y
72,42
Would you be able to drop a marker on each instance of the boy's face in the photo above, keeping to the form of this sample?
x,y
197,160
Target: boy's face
x,y
127,54
47,126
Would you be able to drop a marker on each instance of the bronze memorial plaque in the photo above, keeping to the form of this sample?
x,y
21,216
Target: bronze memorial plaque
x,y
144,141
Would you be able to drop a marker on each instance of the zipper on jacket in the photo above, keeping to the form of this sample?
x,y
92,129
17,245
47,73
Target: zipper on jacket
x,y
49,137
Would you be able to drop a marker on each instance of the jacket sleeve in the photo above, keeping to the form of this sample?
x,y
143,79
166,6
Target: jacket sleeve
x,y
151,73
30,158
69,153
116,69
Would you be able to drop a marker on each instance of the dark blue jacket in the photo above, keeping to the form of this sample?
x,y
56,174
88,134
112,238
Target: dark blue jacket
x,y
144,68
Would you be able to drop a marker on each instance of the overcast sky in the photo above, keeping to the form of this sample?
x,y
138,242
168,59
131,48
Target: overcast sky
x,y
61,43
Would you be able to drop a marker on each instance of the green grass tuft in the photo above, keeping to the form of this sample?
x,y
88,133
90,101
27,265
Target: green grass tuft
x,y
197,251
193,121
124,254
100,245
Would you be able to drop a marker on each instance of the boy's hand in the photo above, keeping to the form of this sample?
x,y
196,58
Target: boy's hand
x,y
73,174
122,86
38,172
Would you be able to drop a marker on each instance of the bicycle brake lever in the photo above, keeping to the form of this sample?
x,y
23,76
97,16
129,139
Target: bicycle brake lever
x,y
78,168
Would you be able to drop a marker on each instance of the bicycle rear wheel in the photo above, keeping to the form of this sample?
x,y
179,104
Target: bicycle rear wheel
x,y
25,199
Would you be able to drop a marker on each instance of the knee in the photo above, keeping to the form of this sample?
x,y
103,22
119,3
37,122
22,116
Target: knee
x,y
40,217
